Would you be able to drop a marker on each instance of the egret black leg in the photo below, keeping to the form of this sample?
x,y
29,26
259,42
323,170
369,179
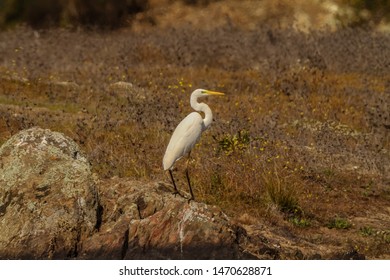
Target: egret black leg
x,y
174,184
189,185
188,180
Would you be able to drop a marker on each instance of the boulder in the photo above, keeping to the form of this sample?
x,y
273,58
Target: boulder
x,y
48,198
146,221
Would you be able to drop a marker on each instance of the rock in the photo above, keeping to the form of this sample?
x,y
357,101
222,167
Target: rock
x,y
350,254
64,84
146,221
50,208
122,85
48,201
128,90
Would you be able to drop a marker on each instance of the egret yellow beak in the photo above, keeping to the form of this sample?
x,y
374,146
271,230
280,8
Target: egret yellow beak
x,y
209,92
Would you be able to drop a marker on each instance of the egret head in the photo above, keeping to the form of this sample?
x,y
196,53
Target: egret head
x,y
205,92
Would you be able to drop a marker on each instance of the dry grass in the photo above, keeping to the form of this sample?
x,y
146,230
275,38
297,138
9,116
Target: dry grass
x,y
301,140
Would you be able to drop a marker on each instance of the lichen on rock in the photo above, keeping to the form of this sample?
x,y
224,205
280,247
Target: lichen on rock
x,y
48,200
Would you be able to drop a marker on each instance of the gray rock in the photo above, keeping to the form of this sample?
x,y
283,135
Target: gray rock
x,y
48,201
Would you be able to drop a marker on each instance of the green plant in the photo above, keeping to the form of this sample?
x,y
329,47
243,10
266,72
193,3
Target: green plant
x,y
237,142
339,223
366,231
300,222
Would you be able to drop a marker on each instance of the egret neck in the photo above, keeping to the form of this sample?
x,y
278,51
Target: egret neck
x,y
202,107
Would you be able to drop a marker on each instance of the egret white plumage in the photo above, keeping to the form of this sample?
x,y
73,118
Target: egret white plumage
x,y
187,134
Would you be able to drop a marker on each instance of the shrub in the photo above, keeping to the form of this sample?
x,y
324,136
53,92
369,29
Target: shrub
x,y
237,142
339,223
366,231
281,193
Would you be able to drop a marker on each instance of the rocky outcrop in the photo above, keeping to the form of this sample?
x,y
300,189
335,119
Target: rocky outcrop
x,y
50,208
146,221
48,200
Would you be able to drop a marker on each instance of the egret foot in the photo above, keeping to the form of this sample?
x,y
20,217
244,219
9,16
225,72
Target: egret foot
x,y
176,192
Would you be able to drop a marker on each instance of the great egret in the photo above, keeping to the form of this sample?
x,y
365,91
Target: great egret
x,y
187,133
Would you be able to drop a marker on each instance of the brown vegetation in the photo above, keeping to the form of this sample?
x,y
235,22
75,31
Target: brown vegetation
x,y
300,143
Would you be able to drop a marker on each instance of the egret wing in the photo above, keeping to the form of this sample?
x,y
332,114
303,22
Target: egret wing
x,y
183,139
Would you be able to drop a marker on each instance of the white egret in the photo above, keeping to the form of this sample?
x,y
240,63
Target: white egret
x,y
187,133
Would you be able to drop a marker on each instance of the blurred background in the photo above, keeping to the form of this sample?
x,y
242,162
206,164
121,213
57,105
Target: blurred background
x,y
299,151
112,14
